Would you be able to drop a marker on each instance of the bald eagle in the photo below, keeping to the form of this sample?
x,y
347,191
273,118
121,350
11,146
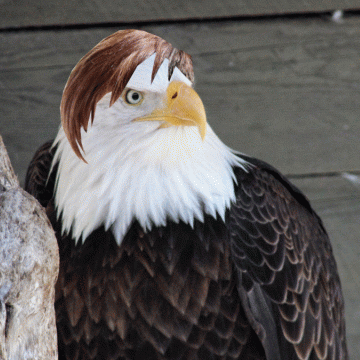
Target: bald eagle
x,y
172,245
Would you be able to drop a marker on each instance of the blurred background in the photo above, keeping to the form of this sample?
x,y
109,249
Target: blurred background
x,y
280,80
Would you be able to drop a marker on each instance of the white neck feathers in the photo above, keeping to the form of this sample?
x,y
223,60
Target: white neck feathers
x,y
142,173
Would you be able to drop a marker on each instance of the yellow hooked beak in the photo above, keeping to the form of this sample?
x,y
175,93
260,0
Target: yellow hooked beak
x,y
183,107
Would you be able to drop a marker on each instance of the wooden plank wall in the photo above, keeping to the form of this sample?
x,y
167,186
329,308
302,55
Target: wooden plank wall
x,y
20,13
283,90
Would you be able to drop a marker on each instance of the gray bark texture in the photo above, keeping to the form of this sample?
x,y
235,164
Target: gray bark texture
x,y
29,265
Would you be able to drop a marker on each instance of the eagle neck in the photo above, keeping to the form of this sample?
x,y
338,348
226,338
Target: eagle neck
x,y
126,181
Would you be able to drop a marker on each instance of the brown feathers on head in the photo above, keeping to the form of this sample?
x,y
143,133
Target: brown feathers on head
x,y
107,68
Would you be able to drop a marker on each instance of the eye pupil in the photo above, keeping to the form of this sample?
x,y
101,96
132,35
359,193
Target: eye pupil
x,y
133,97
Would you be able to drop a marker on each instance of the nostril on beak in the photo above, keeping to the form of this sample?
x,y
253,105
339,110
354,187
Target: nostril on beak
x,y
175,95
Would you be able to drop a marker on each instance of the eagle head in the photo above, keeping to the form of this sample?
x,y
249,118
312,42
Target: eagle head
x,y
145,66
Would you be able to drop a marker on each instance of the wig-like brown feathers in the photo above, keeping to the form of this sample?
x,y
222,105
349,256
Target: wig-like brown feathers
x,y
108,68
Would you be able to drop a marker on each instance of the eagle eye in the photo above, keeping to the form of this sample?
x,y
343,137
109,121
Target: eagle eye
x,y
133,97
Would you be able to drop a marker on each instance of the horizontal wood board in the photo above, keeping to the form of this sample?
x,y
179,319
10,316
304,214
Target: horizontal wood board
x,y
24,13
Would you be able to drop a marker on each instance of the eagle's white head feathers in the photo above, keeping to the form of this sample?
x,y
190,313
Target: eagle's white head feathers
x,y
150,155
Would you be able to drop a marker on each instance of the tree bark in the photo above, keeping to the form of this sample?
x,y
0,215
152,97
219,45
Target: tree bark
x,y
29,265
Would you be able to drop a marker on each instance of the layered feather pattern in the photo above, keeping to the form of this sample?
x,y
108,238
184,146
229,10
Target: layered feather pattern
x,y
262,284
167,294
281,249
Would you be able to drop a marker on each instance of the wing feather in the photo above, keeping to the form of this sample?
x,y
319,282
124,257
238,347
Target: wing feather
x,y
288,279
36,180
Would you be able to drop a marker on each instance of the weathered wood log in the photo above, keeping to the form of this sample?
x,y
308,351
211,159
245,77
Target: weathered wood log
x,y
29,264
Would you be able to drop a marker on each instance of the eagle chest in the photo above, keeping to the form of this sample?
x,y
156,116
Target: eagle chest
x,y
167,294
